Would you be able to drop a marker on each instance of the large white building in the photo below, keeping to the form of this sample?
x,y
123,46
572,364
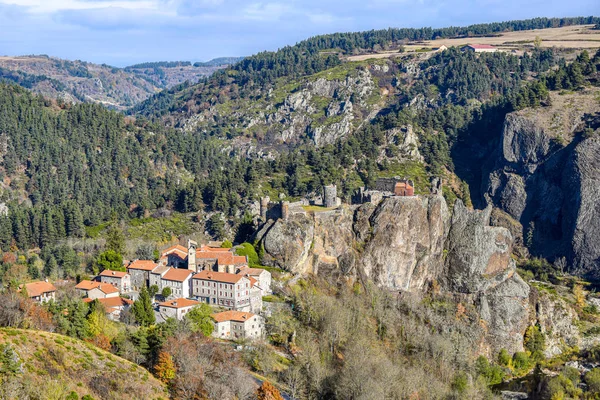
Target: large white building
x,y
176,308
233,291
237,325
178,280
262,276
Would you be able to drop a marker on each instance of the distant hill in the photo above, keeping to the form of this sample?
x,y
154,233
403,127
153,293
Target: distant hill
x,y
217,62
50,366
80,81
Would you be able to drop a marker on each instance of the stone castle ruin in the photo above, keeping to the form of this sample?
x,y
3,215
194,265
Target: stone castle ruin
x,y
385,187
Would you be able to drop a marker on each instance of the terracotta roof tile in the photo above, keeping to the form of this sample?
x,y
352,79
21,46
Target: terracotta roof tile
x,y
178,250
231,315
179,303
177,274
252,271
87,285
113,274
218,276
35,289
144,265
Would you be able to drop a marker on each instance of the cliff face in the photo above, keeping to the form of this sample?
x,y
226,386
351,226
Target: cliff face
x,y
407,243
546,176
398,244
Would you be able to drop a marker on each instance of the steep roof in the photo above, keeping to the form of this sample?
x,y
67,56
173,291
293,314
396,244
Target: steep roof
x,y
161,269
113,274
35,289
144,265
177,250
111,302
218,276
177,274
232,315
252,271
86,285
104,287
179,303
219,249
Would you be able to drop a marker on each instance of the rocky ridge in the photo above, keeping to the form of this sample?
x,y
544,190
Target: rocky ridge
x,y
410,244
546,176
318,109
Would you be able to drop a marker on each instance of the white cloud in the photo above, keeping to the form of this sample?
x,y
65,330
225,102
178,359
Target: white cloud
x,y
50,6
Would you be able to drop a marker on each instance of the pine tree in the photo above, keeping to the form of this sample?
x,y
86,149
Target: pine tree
x,y
142,309
115,240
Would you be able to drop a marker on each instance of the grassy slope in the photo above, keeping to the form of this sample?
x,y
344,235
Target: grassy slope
x,y
60,363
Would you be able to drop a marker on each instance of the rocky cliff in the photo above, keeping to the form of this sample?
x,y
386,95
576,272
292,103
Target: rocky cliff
x,y
407,244
318,109
546,175
79,81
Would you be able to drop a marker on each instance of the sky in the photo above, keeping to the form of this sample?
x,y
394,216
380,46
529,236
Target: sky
x,y
124,32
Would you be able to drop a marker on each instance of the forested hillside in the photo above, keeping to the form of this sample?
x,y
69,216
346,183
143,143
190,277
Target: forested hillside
x,y
116,88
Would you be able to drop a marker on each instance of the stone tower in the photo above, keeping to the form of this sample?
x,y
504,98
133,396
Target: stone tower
x,y
436,186
330,196
264,207
192,246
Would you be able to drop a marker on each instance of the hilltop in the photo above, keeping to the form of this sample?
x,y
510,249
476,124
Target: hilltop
x,y
48,365
117,88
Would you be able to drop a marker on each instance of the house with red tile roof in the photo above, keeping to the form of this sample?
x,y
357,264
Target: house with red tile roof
x,y
119,279
140,270
40,291
480,48
233,291
204,257
176,308
178,280
113,306
237,325
96,290
261,275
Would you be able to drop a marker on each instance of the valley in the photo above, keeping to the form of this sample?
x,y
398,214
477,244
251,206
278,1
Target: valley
x,y
362,215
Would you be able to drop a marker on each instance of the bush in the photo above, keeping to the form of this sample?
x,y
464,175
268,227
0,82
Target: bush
x,y
460,382
110,260
534,340
166,292
504,358
246,249
492,374
521,363
592,378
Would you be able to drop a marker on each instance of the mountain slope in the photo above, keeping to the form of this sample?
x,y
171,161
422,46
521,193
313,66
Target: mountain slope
x,y
47,365
78,81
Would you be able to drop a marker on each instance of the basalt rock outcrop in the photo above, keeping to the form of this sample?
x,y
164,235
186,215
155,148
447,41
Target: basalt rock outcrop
x,y
407,243
546,175
479,265
398,244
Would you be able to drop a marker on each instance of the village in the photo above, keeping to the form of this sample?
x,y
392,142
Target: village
x,y
184,277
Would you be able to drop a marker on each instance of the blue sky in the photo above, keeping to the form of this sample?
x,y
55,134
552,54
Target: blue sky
x,y
122,32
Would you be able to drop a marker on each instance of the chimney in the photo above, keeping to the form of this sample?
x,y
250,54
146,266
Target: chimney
x,y
114,273
175,303
192,246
